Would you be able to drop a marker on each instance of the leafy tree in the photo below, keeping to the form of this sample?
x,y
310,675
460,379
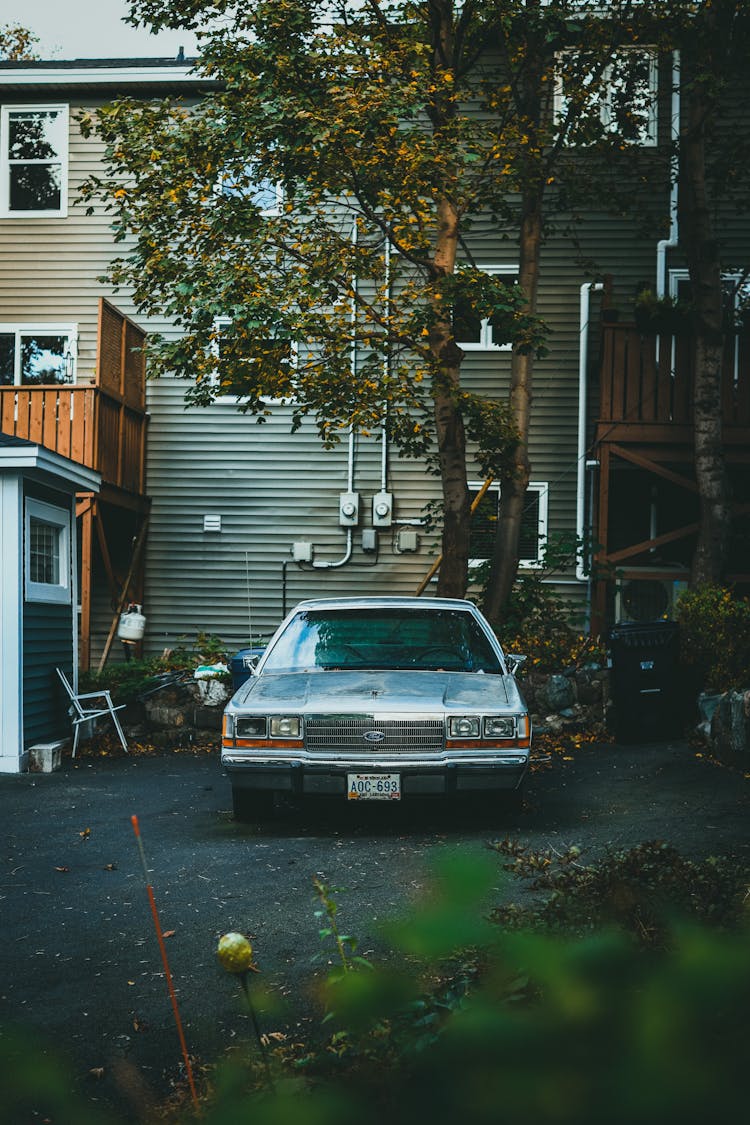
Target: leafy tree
x,y
713,38
17,43
395,132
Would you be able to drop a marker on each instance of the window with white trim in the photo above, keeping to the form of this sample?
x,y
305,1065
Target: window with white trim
x,y
735,295
34,355
47,553
627,102
533,523
249,183
287,353
474,333
34,161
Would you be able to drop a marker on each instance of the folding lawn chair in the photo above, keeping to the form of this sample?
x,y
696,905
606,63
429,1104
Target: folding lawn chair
x,y
99,704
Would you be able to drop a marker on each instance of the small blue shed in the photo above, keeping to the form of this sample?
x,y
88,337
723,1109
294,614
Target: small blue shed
x,y
38,593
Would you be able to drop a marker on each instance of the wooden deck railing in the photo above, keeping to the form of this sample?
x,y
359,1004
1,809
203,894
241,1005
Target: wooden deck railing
x,y
102,426
644,382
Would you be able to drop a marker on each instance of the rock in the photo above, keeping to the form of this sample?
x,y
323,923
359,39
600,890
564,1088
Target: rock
x,y
730,725
558,694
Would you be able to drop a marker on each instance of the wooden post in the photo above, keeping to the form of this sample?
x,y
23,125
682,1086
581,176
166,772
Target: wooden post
x,y
124,593
85,512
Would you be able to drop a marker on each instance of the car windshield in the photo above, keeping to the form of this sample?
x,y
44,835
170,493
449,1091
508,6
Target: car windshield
x,y
378,638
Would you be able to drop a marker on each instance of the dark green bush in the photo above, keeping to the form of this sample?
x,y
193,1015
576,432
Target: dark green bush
x,y
715,637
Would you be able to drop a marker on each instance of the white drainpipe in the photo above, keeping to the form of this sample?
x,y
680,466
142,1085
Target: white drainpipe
x,y
662,247
587,289
672,241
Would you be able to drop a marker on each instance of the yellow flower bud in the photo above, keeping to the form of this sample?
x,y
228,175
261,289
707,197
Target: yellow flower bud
x,y
235,953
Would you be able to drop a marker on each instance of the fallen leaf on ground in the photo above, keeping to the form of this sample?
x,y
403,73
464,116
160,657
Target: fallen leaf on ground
x,y
169,933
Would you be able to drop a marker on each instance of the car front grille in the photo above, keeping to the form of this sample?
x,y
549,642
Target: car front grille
x,y
347,733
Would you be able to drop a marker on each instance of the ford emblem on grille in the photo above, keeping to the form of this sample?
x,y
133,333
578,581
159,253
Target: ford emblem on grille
x,y
373,736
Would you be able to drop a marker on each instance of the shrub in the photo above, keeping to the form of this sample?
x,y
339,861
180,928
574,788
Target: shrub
x,y
715,637
537,621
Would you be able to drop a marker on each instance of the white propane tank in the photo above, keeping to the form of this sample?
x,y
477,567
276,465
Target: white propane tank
x,y
132,625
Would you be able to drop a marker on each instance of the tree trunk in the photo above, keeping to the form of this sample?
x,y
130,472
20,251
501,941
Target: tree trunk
x,y
449,427
454,568
704,267
505,556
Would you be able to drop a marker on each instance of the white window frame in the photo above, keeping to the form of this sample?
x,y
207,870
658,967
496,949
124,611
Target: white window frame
x,y
59,519
485,342
214,379
70,331
649,133
223,187
739,282
540,487
5,161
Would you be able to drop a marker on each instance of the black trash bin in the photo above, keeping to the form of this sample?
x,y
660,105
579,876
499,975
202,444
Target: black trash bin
x,y
242,664
645,680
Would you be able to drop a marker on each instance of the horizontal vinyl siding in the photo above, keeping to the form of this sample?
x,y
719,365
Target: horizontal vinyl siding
x,y
270,487
47,644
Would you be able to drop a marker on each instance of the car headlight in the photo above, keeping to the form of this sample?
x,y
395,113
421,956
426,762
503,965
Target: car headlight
x,y
250,726
463,726
496,727
286,726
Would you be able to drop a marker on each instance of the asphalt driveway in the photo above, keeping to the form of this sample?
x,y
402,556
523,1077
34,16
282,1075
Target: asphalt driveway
x,y
79,960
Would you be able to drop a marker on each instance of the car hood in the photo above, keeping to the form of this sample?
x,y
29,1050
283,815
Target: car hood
x,y
404,691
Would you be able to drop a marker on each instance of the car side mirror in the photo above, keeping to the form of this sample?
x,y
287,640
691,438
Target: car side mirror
x,y
514,662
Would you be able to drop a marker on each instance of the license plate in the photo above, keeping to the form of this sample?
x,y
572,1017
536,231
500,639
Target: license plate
x,y
373,786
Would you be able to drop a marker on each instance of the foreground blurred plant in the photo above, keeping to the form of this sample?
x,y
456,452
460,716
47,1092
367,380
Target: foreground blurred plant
x,y
479,1023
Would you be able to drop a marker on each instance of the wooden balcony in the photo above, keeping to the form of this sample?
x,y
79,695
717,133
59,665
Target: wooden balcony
x,y
646,505
101,425
646,388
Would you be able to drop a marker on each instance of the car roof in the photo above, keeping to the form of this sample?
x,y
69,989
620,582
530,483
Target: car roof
x,y
386,602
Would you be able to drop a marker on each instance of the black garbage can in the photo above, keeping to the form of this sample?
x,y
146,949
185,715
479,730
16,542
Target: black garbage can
x,y
242,664
645,680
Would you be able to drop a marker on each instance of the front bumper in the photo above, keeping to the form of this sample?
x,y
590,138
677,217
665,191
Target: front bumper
x,y
440,774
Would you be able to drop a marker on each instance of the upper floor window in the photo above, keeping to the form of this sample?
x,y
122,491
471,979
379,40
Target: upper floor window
x,y
33,355
282,352
250,183
474,333
533,523
626,103
33,161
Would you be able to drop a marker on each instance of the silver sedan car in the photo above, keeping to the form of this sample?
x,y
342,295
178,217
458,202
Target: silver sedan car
x,y
377,699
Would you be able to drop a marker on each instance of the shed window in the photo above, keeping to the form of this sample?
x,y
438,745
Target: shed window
x,y
34,160
47,553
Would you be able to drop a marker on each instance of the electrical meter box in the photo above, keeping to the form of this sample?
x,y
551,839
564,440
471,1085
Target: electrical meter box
x,y
382,509
348,509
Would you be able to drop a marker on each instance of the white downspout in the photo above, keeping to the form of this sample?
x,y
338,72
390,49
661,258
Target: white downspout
x,y
672,241
386,370
587,289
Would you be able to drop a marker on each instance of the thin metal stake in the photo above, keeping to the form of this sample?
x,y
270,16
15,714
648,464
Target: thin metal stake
x,y
165,961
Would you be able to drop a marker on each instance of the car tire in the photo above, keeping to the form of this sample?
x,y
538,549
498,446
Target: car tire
x,y
252,804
